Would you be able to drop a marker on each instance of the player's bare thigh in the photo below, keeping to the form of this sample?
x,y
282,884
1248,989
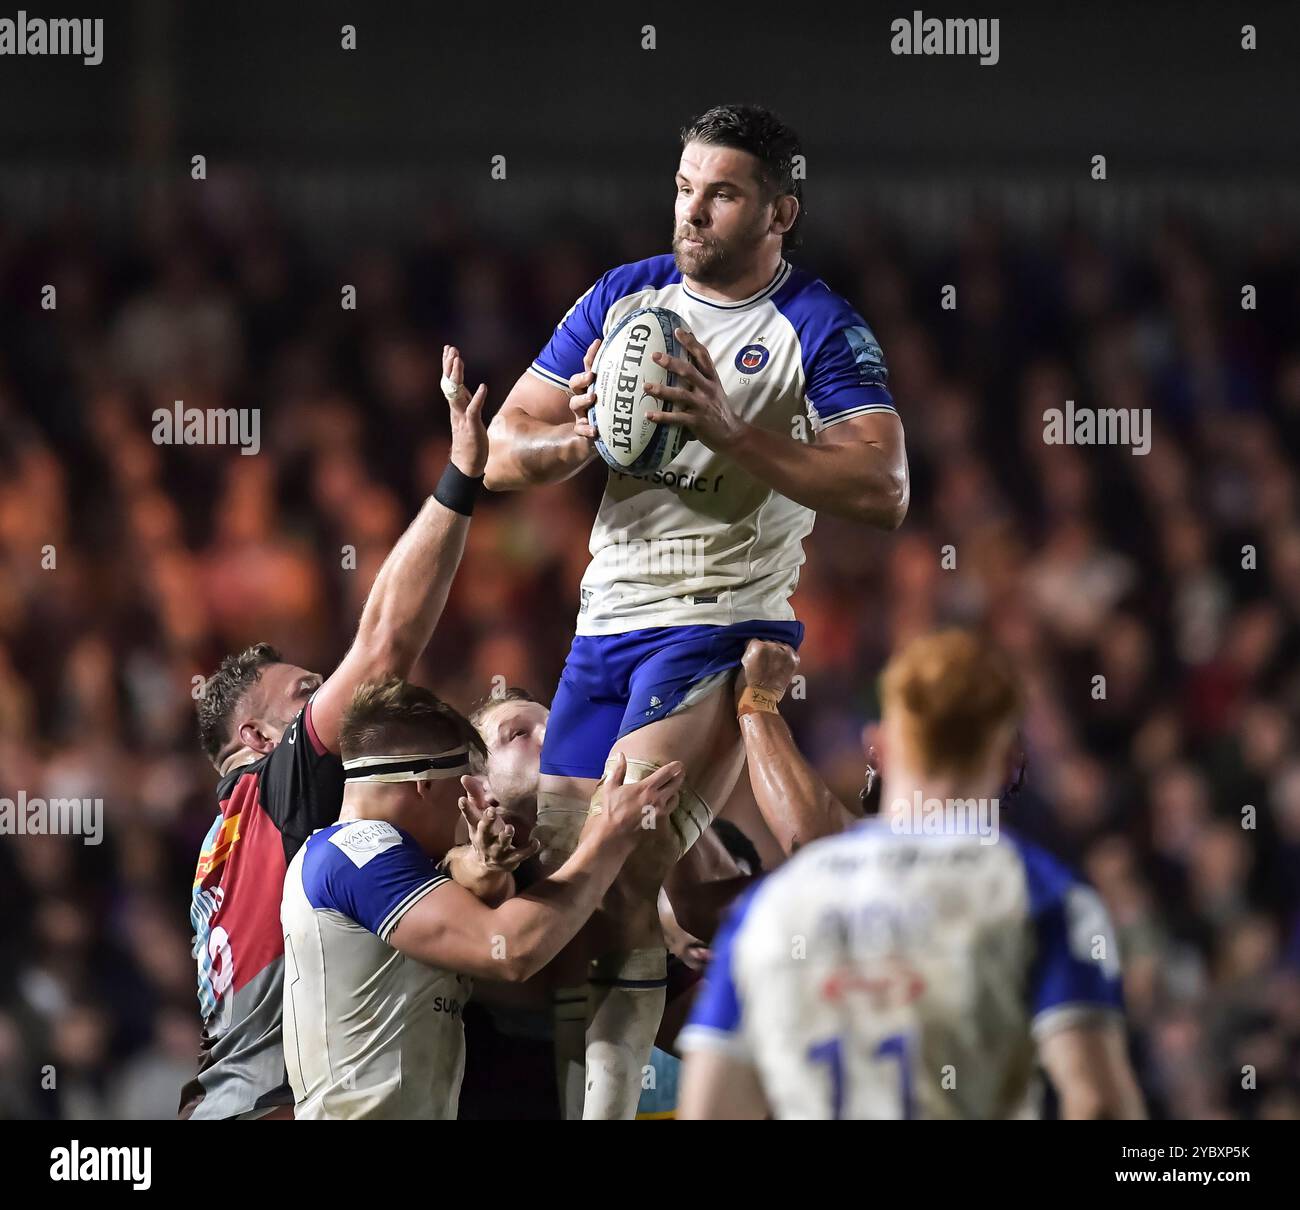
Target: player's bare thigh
x,y
703,736
706,739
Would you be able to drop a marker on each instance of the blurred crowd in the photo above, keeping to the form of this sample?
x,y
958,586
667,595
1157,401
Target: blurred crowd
x,y
1152,602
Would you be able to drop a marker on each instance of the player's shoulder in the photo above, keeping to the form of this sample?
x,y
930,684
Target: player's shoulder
x,y
653,273
359,841
812,871
827,324
343,851
809,303
1048,879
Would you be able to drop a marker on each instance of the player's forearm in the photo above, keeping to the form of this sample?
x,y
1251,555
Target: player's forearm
x,y
795,803
535,926
526,452
857,480
410,591
716,1087
703,884
699,909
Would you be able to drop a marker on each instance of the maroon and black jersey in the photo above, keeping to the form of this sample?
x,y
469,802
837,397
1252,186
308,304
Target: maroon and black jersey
x,y
266,810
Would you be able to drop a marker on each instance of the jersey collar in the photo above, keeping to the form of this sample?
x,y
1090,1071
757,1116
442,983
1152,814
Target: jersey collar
x,y
783,271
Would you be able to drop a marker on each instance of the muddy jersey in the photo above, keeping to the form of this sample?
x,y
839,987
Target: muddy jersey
x,y
265,812
703,542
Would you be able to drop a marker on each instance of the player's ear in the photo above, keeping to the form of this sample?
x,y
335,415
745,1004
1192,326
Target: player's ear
x,y
252,736
784,213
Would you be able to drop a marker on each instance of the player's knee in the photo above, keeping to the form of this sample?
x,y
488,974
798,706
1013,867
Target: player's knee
x,y
559,823
666,840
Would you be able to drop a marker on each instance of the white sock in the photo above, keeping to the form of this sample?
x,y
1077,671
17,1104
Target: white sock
x,y
569,1012
627,1004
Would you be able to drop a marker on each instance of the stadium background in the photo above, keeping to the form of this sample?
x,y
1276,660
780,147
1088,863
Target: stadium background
x,y
371,168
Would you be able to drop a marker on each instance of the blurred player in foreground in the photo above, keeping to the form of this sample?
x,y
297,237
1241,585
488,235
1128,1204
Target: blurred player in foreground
x,y
378,939
784,389
913,966
271,729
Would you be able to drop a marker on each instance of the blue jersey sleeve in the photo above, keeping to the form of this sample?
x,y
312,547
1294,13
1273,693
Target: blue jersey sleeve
x,y
582,323
844,369
846,375
1075,973
585,320
369,871
716,1016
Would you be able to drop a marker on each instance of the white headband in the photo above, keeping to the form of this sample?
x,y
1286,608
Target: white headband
x,y
433,766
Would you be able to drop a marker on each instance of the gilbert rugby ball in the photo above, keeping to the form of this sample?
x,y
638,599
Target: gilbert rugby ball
x,y
626,439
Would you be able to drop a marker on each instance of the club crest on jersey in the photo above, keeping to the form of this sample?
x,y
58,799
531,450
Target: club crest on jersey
x,y
752,358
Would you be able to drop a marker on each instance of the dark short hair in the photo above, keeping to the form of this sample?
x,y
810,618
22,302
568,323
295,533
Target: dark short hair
x,y
480,710
760,132
222,693
392,715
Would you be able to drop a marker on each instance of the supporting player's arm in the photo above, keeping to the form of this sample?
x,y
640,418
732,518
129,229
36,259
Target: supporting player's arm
x,y
411,587
1089,1069
856,469
453,930
534,439
795,803
703,884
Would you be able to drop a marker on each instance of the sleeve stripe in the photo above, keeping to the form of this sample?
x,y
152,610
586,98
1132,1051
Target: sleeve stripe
x,y
852,413
546,376
705,1037
391,920
1073,1015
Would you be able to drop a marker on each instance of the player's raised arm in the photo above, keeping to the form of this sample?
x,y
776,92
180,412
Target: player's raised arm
x,y
540,435
453,930
410,589
795,803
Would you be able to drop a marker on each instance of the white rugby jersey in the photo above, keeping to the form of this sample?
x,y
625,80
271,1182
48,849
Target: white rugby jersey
x,y
885,976
368,1032
702,541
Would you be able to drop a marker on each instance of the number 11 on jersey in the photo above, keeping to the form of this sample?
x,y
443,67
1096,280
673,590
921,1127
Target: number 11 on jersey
x,y
896,1048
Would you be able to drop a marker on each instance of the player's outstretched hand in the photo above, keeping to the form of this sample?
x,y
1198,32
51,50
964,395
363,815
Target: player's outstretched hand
x,y
767,665
469,439
491,838
583,397
699,402
625,809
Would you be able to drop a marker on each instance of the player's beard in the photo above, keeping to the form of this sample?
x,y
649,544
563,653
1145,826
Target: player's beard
x,y
716,262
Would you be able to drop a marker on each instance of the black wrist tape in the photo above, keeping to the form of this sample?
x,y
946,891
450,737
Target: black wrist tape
x,y
457,491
